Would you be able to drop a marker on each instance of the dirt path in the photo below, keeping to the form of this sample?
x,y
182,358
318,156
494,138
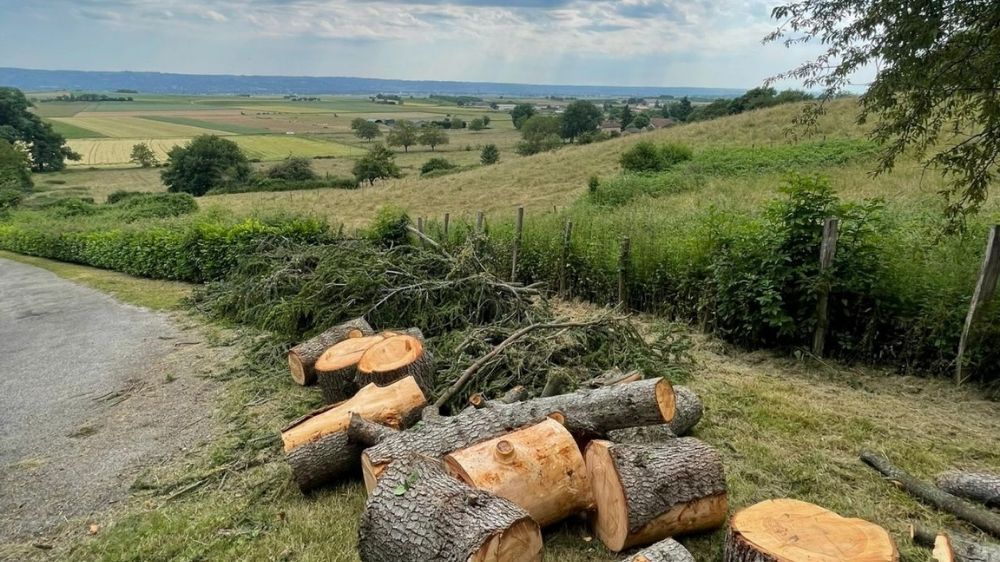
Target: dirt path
x,y
93,391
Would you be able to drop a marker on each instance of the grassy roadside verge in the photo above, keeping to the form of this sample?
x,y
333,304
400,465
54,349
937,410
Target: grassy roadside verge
x,y
150,293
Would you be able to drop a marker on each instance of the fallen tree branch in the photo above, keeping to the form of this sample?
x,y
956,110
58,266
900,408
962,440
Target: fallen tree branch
x,y
983,487
433,243
933,495
485,359
954,547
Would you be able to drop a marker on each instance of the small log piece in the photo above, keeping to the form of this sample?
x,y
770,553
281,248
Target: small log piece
x,y
418,512
645,493
687,412
395,358
787,530
954,547
336,368
586,414
302,358
539,468
667,550
317,445
983,487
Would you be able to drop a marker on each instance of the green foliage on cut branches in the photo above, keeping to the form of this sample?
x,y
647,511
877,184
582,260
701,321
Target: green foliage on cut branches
x,y
207,161
935,92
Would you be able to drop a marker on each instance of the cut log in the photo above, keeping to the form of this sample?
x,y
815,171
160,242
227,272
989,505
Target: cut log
x,y
539,468
687,413
395,358
336,368
645,493
418,512
667,550
787,530
985,520
586,414
302,358
317,445
954,547
983,487
516,394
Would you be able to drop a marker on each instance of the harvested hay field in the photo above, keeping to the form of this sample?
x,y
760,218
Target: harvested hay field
x,y
116,152
276,147
116,126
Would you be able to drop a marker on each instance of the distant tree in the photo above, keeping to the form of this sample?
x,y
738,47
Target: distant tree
x,y
207,161
293,168
626,117
15,168
718,108
17,123
486,120
365,129
404,134
433,136
457,123
477,124
489,155
143,155
540,133
935,92
379,163
521,113
641,121
679,110
494,105
581,116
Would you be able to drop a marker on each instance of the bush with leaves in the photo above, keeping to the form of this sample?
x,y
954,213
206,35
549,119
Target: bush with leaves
x,y
10,198
489,155
143,155
645,156
436,164
389,228
292,168
207,161
15,168
378,164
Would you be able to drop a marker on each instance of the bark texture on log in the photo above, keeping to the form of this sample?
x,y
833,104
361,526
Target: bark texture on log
x,y
983,487
302,358
417,512
646,493
667,550
787,530
612,376
585,414
539,468
985,520
687,413
395,358
336,368
954,547
323,461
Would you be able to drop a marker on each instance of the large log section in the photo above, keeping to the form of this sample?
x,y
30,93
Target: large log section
x,y
317,446
302,357
687,413
787,530
418,512
667,550
585,414
983,487
645,493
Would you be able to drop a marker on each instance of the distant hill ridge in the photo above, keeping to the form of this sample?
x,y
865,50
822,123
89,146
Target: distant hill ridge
x,y
165,83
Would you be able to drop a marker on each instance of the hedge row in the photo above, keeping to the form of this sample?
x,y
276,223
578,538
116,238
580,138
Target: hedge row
x,y
182,251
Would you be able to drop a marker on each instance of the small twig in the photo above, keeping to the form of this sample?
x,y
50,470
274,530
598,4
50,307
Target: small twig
x,y
430,241
482,361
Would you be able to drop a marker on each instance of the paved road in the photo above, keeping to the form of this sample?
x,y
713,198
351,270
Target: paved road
x,y
85,400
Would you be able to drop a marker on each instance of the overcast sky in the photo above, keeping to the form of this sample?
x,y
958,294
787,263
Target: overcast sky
x,y
628,42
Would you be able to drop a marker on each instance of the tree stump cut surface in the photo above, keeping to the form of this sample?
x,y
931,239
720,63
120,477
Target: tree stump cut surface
x,y
302,358
394,358
787,530
336,369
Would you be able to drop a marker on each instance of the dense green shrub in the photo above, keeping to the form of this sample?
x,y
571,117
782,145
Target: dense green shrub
x,y
436,164
270,185
154,206
121,195
292,168
207,161
489,155
645,156
15,168
389,228
620,190
10,198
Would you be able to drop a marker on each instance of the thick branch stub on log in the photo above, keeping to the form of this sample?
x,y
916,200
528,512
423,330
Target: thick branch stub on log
x,y
985,520
586,414
667,550
954,547
302,358
790,530
646,493
687,413
418,512
983,487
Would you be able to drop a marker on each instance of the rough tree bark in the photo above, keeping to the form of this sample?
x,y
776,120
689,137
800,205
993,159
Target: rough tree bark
x,y
983,487
586,414
985,520
667,550
539,468
954,547
302,358
645,493
418,512
317,445
787,530
687,413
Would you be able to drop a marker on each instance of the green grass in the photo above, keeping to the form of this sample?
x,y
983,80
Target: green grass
x,y
153,294
72,131
214,125
276,147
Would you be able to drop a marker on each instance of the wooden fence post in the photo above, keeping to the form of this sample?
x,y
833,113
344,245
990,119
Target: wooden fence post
x,y
827,250
447,219
567,236
624,252
420,229
518,231
985,288
479,222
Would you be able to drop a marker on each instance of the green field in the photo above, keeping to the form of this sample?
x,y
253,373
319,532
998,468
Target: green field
x,y
203,124
276,147
74,131
121,126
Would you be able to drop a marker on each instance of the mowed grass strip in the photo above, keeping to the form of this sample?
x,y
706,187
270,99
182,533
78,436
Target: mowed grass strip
x,y
212,125
71,131
276,147
116,152
122,126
